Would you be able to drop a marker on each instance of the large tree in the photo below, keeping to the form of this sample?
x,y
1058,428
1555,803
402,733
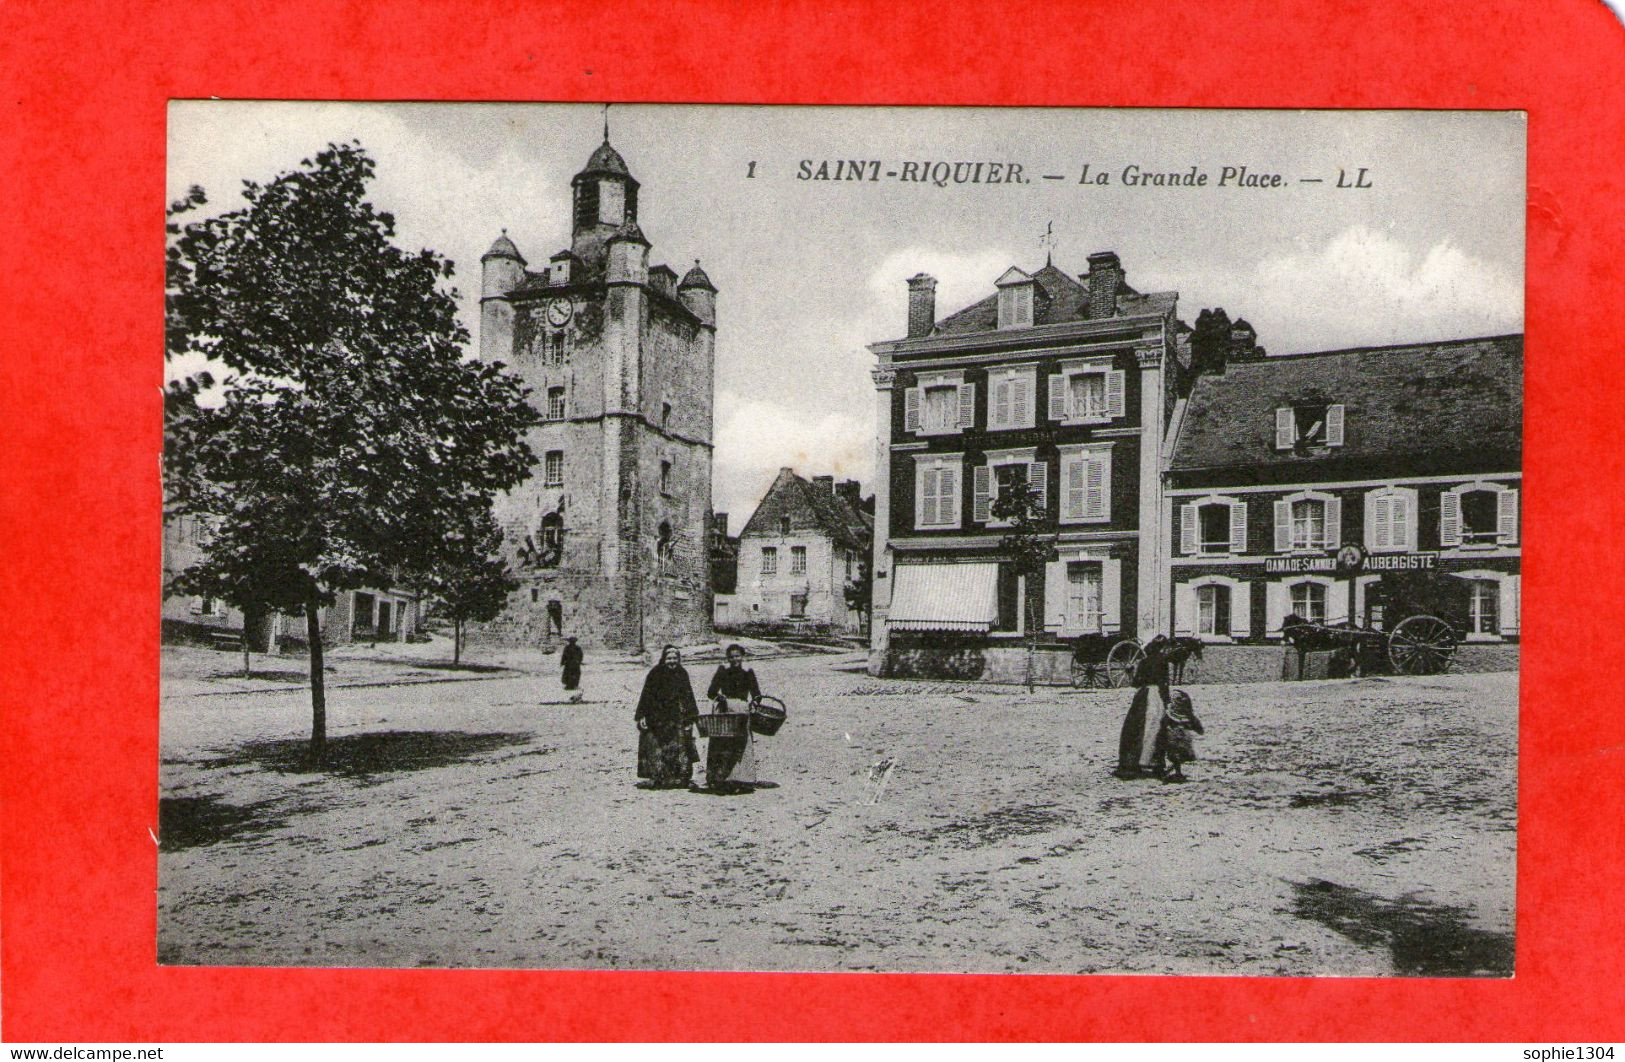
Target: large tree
x,y
348,434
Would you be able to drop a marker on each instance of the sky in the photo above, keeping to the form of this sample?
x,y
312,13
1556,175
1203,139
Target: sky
x,y
811,272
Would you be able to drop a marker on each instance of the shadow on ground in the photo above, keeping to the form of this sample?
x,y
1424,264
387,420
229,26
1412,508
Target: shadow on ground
x,y
446,665
365,755
191,822
1426,940
267,676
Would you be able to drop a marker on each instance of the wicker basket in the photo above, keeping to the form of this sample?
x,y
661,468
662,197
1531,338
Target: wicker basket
x,y
767,715
723,724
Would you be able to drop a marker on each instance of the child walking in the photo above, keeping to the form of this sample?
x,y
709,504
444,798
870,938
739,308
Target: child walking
x,y
1179,725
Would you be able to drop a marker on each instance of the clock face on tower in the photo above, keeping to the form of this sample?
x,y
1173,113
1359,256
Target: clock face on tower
x,y
558,312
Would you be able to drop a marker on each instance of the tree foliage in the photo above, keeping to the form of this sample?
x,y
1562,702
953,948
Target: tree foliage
x,y
1028,545
468,578
348,435
859,591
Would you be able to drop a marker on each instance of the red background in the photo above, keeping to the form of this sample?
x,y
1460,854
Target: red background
x,y
82,98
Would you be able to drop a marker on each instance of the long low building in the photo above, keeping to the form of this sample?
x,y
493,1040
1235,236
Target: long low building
x,y
1412,453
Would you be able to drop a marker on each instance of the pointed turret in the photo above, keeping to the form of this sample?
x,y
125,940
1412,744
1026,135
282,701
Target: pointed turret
x,y
606,203
698,293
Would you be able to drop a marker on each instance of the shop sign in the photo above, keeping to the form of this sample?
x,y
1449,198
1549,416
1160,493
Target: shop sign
x,y
1372,563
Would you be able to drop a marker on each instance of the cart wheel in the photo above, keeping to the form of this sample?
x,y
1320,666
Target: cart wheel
x,y
1122,662
1421,645
1090,677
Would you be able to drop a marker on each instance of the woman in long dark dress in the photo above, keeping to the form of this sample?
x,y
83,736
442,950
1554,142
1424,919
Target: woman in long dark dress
x,y
666,710
727,759
1137,747
571,658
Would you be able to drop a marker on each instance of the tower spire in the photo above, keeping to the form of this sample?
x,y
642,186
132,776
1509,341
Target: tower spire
x,y
606,123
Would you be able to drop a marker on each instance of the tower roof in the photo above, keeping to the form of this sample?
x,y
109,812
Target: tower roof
x,y
696,278
605,160
503,247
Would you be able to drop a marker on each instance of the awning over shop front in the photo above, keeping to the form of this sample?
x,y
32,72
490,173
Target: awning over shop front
x,y
944,597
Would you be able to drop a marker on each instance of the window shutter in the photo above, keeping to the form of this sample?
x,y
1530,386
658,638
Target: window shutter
x,y
967,405
911,409
1057,396
1111,595
925,497
1021,403
1283,526
1377,507
1115,404
1450,518
1241,609
981,497
1404,513
948,505
998,402
1187,529
1334,524
1337,601
1055,595
1074,492
1284,428
1275,608
1334,425
1509,603
1038,480
1238,527
1097,490
1506,512
1184,609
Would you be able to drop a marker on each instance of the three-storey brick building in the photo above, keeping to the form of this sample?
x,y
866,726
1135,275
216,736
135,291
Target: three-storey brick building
x,y
1065,384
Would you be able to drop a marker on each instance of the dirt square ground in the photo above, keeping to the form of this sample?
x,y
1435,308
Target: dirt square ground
x,y
1360,827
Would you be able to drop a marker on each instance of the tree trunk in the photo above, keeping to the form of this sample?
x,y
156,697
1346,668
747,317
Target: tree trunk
x,y
318,693
457,641
247,670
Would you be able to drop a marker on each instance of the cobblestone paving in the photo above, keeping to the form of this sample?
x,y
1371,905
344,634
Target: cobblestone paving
x,y
1356,828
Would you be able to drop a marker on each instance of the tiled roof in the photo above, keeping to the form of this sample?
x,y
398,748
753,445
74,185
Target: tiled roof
x,y
696,278
810,508
605,159
1060,298
1459,400
503,247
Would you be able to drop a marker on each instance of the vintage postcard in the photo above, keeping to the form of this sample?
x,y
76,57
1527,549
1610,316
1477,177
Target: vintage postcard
x,y
842,539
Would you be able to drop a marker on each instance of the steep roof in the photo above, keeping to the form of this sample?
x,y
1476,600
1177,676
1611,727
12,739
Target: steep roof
x,y
502,247
810,508
1459,402
605,159
1060,298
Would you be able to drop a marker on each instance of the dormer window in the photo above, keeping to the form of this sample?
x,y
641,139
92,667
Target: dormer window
x,y
611,202
1015,299
1308,425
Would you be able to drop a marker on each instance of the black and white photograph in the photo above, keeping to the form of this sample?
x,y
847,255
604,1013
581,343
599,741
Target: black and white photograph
x,y
841,539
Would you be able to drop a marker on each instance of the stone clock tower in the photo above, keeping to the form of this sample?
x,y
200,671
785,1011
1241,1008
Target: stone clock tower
x,y
609,535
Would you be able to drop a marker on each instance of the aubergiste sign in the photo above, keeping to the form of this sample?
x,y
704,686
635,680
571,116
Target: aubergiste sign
x,y
1376,562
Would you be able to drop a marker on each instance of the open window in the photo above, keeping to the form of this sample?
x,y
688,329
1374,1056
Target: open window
x,y
1478,515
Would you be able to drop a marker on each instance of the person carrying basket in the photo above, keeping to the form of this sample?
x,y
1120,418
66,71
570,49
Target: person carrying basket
x,y
730,762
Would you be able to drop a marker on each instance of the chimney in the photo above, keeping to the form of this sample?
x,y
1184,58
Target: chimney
x,y
719,522
824,484
1105,277
851,492
922,305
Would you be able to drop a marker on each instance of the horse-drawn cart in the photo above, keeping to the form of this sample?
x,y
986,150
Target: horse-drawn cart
x,y
1100,663
1419,644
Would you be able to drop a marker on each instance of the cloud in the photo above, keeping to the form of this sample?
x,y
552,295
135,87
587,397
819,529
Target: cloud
x,y
1365,286
961,278
756,436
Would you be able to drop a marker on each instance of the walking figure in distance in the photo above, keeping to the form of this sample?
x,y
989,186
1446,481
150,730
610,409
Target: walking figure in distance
x,y
571,658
